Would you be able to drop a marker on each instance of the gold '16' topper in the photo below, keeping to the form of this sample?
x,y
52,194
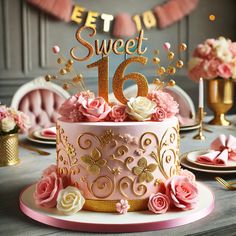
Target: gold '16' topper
x,y
118,46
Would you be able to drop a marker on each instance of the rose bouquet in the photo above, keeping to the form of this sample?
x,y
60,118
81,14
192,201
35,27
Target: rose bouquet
x,y
84,106
12,121
214,58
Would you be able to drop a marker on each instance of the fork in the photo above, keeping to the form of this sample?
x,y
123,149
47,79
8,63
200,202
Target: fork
x,y
33,149
228,185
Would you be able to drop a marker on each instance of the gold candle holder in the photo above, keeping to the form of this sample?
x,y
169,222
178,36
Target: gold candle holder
x,y
200,135
9,149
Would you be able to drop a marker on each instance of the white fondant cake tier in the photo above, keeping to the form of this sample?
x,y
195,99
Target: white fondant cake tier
x,y
111,161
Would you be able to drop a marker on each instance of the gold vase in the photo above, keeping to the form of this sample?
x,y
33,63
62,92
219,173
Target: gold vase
x,y
9,149
220,93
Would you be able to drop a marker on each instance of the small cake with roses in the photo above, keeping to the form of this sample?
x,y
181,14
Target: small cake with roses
x,y
118,156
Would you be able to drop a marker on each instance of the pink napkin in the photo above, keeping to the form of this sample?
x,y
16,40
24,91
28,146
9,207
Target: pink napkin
x,y
214,158
222,142
224,149
49,132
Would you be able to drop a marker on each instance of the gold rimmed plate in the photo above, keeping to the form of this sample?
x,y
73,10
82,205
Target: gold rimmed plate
x,y
192,157
37,134
189,165
32,138
189,127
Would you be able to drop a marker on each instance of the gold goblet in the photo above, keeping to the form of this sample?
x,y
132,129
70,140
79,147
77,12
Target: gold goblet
x,y
220,94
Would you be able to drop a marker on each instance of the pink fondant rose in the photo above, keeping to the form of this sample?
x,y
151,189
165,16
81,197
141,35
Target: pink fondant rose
x,y
71,109
96,109
189,175
181,192
159,115
164,101
47,190
158,203
49,170
118,113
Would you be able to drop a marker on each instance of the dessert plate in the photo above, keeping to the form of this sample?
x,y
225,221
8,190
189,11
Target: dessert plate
x,y
190,127
35,140
192,157
185,163
37,134
111,222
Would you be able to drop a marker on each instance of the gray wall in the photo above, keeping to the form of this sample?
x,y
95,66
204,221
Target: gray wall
x,y
27,35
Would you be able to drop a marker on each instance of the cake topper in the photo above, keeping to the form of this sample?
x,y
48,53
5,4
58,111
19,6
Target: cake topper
x,y
117,46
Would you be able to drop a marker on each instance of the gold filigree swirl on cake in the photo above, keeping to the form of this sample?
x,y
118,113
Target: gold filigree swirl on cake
x,y
130,183
165,150
102,187
94,161
66,148
141,170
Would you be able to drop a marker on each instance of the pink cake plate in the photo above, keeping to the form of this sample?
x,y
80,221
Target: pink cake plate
x,y
112,222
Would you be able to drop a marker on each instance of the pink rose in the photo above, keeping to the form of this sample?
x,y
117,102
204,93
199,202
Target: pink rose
x,y
3,112
182,193
86,94
225,71
96,109
202,50
159,115
22,121
158,203
210,42
212,68
70,109
165,101
49,170
47,190
189,175
118,113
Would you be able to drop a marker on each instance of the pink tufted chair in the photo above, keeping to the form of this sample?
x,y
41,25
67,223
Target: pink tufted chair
x,y
40,100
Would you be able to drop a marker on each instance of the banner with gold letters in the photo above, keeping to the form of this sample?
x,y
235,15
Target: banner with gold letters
x,y
123,24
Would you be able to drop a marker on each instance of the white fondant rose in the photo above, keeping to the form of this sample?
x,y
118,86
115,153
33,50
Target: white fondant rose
x,y
140,108
70,200
7,124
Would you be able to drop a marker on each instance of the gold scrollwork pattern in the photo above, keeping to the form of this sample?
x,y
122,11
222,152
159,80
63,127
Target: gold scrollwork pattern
x,y
102,187
126,184
102,184
66,154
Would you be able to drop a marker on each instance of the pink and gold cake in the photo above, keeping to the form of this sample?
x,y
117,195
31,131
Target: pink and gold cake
x,y
110,161
117,156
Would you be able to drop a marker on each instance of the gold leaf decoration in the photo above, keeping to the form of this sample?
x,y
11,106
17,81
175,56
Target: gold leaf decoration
x,y
144,171
142,162
151,167
94,161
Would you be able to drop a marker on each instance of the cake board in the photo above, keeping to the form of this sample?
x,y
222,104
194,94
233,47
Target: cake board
x,y
111,222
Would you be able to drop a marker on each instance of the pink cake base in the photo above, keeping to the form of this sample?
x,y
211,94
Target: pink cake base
x,y
110,222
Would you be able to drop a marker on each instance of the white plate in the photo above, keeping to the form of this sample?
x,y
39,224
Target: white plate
x,y
37,134
189,127
33,139
192,157
185,163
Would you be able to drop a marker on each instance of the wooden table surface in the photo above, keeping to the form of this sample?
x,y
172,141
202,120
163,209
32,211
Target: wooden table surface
x,y
222,221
